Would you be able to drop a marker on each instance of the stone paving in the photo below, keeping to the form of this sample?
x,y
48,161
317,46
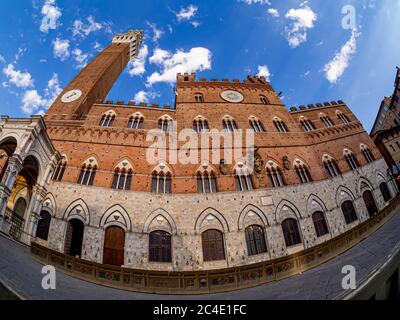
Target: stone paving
x,y
19,271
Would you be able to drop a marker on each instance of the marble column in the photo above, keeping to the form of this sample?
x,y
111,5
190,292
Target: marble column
x,y
33,214
15,165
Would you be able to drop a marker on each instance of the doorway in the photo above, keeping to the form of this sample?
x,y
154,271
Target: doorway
x,y
114,246
370,203
74,238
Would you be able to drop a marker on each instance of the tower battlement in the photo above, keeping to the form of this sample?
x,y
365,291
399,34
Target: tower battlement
x,y
186,77
133,37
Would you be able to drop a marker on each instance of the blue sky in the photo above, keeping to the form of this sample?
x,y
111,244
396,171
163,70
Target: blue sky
x,y
301,46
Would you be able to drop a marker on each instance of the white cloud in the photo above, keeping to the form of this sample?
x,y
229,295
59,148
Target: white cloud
x,y
157,33
338,65
61,49
255,1
137,66
263,71
18,78
80,58
159,56
273,12
2,60
142,96
19,54
197,59
34,103
302,20
145,96
83,30
195,24
53,89
51,15
97,46
187,13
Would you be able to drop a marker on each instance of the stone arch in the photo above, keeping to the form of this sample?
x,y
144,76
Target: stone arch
x,y
343,194
123,163
91,160
110,112
37,160
314,203
209,214
364,184
49,204
251,209
116,216
78,210
286,209
12,139
380,177
163,167
163,218
299,161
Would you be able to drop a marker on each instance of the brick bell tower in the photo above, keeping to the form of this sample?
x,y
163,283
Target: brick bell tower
x,y
95,81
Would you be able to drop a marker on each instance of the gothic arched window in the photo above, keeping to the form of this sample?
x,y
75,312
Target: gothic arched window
x,y
264,100
321,227
213,245
229,124
88,172
161,179
291,232
200,125
331,166
243,179
349,212
326,120
60,170
307,124
367,153
107,120
122,179
198,98
160,248
256,125
165,124
136,121
302,171
342,117
351,159
206,181
255,240
280,125
274,174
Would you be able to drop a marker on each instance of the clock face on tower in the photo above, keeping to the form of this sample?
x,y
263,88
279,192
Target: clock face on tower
x,y
71,96
232,96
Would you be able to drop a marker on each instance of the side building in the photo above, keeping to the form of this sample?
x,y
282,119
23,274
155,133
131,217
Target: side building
x,y
386,129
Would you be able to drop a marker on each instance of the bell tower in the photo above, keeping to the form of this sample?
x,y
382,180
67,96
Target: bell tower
x,y
95,81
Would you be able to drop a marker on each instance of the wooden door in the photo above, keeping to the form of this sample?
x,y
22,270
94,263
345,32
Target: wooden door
x,y
114,246
74,238
68,238
370,203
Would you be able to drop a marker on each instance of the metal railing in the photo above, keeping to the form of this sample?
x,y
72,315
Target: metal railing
x,y
202,282
16,224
